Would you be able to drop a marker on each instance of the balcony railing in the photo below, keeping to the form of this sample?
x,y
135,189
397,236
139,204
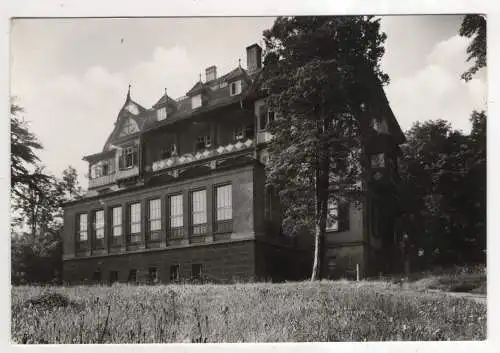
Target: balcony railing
x,y
127,173
208,153
224,226
102,180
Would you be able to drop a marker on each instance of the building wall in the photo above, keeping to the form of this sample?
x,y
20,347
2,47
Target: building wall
x,y
243,203
220,263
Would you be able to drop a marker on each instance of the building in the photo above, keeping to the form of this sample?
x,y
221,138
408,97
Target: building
x,y
178,192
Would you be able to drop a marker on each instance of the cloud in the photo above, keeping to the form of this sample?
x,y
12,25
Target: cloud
x,y
436,91
73,115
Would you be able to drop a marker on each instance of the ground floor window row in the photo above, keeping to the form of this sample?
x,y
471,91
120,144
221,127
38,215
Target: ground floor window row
x,y
131,221
151,276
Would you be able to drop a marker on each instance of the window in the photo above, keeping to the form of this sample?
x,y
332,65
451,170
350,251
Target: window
x,y
196,101
82,227
174,272
99,224
196,271
154,219
161,114
268,208
379,125
117,221
135,222
168,151
242,132
203,142
337,217
113,276
266,117
128,157
332,222
176,216
199,211
235,88
378,160
224,209
97,276
153,275
132,276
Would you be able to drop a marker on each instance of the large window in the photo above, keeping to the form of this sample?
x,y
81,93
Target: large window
x,y
128,157
176,216
266,116
242,132
117,221
82,227
99,224
199,212
175,272
196,271
224,208
154,219
135,222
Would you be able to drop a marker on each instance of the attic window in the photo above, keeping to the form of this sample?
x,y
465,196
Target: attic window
x,y
235,88
378,160
196,101
161,114
380,126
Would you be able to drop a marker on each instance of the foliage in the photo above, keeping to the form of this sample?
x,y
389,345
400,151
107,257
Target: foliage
x,y
316,153
445,176
290,312
474,26
23,147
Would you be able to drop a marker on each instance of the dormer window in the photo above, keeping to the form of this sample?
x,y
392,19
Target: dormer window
x,y
235,88
196,101
161,114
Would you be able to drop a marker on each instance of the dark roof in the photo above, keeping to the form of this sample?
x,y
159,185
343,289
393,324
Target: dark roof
x,y
164,100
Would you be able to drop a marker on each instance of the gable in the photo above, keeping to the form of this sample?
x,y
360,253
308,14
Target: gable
x,y
128,126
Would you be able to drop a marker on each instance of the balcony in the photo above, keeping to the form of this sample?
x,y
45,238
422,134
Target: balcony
x,y
188,158
102,180
127,173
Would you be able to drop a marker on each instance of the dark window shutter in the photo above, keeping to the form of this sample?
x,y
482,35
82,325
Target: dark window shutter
x,y
344,216
262,117
135,160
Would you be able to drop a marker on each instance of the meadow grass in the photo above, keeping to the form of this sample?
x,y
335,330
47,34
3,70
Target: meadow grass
x,y
260,312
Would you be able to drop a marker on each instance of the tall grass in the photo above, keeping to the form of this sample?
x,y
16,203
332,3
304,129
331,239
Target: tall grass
x,y
324,311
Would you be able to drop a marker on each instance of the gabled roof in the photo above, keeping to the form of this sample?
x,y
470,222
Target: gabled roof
x,y
165,100
197,88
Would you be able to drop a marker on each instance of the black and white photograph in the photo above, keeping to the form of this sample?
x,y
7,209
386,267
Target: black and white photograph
x,y
248,179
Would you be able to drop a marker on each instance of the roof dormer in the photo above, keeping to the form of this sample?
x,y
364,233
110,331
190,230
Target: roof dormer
x,y
165,107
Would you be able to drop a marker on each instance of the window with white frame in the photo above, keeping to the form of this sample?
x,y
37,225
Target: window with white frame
x,y
196,101
176,212
199,211
235,88
332,221
203,142
135,220
128,157
117,221
161,114
154,218
99,224
266,117
82,227
224,196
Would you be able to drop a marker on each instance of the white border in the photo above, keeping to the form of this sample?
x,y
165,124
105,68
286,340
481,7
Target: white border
x,y
150,8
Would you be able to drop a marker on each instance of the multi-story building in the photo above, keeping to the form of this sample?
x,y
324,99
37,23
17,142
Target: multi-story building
x,y
178,192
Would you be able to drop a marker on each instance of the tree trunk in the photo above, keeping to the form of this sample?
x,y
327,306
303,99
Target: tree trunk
x,y
317,260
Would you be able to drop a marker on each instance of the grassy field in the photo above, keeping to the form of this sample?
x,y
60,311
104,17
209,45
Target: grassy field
x,y
261,312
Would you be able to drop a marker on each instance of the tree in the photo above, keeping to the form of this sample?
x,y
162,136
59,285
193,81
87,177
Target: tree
x,y
23,146
445,192
474,26
320,73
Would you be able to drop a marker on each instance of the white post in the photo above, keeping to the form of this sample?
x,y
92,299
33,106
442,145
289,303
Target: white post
x,y
357,272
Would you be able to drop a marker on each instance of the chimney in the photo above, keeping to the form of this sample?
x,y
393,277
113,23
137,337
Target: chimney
x,y
254,57
211,73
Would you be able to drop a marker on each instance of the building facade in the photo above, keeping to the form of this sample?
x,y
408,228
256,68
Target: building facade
x,y
178,193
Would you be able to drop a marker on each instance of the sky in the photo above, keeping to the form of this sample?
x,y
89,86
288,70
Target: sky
x,y
71,75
